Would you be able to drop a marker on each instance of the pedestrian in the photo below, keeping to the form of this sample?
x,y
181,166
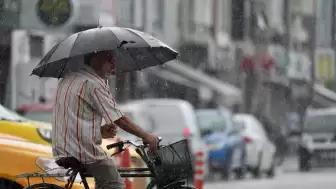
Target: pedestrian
x,y
83,99
257,70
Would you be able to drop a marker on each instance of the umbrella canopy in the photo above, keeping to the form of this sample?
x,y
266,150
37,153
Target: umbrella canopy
x,y
134,50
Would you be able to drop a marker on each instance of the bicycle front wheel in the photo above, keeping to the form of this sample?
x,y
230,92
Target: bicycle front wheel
x,y
44,186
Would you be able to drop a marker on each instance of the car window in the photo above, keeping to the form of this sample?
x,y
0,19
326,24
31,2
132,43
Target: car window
x,y
250,124
141,118
43,116
257,126
238,125
213,121
167,119
320,123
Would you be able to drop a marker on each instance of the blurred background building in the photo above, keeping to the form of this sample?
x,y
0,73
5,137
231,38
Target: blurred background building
x,y
213,37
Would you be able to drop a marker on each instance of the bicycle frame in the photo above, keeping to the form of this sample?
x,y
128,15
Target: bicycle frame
x,y
129,173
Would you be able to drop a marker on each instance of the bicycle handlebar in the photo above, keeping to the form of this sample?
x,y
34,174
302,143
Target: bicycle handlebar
x,y
121,144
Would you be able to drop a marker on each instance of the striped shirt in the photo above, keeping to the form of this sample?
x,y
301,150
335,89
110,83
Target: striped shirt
x,y
82,100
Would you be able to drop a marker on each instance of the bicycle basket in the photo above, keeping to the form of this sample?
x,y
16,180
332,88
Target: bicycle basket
x,y
174,163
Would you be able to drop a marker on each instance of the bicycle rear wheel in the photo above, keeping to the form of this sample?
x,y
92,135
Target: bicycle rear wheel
x,y
44,186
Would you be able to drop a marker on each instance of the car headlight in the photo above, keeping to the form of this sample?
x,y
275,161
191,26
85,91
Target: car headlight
x,y
44,133
49,166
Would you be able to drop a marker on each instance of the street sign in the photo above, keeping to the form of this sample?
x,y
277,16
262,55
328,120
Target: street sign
x,y
324,63
56,15
280,56
299,66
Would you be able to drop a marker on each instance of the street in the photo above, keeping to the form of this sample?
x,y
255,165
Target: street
x,y
291,180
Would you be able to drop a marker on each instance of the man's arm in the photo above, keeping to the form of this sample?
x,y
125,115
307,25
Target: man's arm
x,y
108,108
104,103
127,125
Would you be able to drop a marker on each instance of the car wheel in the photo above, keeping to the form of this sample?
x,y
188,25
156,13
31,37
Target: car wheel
x,y
226,173
7,184
304,160
256,172
304,164
44,186
271,172
241,171
227,170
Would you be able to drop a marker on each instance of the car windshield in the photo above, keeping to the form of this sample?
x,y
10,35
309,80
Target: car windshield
x,y
43,116
6,114
167,119
213,121
320,123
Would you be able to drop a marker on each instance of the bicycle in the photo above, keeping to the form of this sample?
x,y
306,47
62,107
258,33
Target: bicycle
x,y
165,174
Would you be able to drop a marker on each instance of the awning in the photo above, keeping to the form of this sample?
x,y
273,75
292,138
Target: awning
x,y
170,76
231,93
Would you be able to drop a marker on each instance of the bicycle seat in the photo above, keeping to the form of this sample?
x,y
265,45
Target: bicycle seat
x,y
69,162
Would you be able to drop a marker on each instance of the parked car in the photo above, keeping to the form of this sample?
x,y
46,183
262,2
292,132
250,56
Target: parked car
x,y
33,131
317,144
225,143
173,119
260,151
19,156
37,112
278,135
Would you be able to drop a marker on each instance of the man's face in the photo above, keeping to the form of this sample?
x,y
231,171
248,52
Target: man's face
x,y
108,62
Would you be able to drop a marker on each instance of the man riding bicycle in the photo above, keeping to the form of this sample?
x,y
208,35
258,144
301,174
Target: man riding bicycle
x,y
83,99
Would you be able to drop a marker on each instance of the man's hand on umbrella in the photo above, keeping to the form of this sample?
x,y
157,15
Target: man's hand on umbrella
x,y
108,130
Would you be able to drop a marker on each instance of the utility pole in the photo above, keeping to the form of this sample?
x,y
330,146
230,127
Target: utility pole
x,y
302,89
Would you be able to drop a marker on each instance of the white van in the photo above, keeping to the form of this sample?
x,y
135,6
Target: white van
x,y
168,118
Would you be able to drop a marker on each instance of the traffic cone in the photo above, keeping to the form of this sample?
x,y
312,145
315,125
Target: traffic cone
x,y
125,163
199,170
117,157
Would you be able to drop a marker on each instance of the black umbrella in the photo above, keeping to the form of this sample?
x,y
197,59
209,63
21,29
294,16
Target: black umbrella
x,y
135,50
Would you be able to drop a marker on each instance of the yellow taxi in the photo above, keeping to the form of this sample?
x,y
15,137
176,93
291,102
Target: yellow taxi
x,y
13,124
20,156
